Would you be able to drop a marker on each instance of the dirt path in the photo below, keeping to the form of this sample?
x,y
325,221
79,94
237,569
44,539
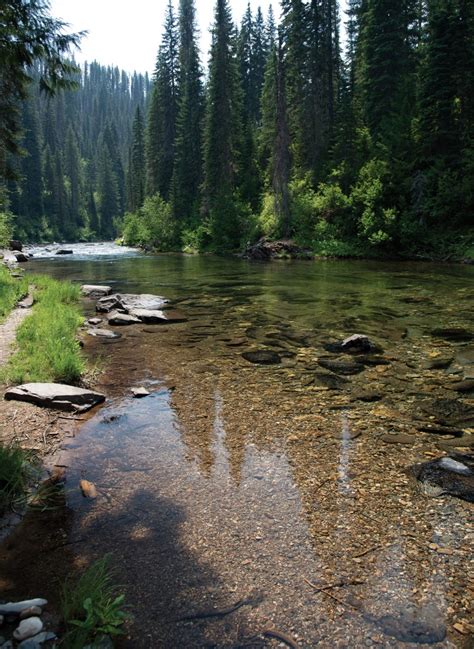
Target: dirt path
x,y
8,332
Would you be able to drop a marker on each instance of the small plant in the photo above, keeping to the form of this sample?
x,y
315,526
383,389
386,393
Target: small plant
x,y
92,607
17,469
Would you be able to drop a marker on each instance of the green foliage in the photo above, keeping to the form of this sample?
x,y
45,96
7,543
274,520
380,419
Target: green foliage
x,y
91,606
151,226
17,467
47,346
11,291
376,223
6,229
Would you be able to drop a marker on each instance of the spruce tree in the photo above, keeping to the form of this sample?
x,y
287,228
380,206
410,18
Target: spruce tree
x,y
161,131
188,172
136,168
223,132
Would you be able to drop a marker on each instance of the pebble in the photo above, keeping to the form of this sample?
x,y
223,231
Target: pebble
x,y
28,628
88,489
30,612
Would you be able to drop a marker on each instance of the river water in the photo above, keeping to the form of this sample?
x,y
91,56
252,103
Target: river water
x,y
239,481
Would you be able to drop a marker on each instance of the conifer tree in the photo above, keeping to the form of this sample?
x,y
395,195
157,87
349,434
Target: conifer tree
x,y
161,131
223,132
136,168
72,167
187,174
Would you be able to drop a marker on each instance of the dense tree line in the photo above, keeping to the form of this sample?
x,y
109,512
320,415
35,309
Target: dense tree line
x,y
349,149
366,149
71,181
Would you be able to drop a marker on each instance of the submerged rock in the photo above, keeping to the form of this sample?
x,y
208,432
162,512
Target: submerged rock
x,y
355,344
139,393
149,316
262,357
95,290
88,489
330,381
451,413
64,251
463,386
103,333
56,396
414,626
341,367
122,319
456,334
453,475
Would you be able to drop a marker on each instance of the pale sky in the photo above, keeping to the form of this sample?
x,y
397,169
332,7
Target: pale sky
x,y
127,33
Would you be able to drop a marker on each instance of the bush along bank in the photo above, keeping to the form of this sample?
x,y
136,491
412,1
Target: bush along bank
x,y
47,348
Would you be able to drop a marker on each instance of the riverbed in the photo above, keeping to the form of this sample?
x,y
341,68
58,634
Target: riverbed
x,y
266,483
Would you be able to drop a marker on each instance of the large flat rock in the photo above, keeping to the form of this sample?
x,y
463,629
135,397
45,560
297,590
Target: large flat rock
x,y
95,290
152,316
128,302
55,395
122,319
143,301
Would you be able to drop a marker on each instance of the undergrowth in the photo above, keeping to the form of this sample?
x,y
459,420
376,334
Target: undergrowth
x,y
92,606
11,291
17,468
47,346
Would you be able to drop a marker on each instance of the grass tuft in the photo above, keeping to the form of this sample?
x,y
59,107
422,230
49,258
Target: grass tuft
x,y
11,291
47,346
17,468
92,607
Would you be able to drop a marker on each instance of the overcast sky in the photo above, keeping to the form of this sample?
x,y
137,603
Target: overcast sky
x,y
127,33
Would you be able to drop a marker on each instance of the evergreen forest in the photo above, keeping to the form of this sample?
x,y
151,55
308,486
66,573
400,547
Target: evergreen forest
x,y
350,132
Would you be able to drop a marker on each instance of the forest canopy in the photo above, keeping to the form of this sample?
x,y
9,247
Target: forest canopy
x,y
355,146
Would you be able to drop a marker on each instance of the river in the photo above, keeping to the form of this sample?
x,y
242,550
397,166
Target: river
x,y
235,480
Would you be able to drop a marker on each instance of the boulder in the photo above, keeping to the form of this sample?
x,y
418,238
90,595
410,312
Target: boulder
x,y
146,301
358,344
262,357
265,250
94,321
149,316
16,245
452,475
121,319
21,257
55,395
95,291
63,251
109,303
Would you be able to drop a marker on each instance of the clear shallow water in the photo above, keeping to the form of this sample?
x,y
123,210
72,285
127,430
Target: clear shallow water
x,y
238,481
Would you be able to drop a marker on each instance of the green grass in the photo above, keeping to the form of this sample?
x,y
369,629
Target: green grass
x,y
47,346
17,468
92,607
11,291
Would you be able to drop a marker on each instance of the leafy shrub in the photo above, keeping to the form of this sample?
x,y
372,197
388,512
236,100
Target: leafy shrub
x,y
376,222
91,606
152,225
6,229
